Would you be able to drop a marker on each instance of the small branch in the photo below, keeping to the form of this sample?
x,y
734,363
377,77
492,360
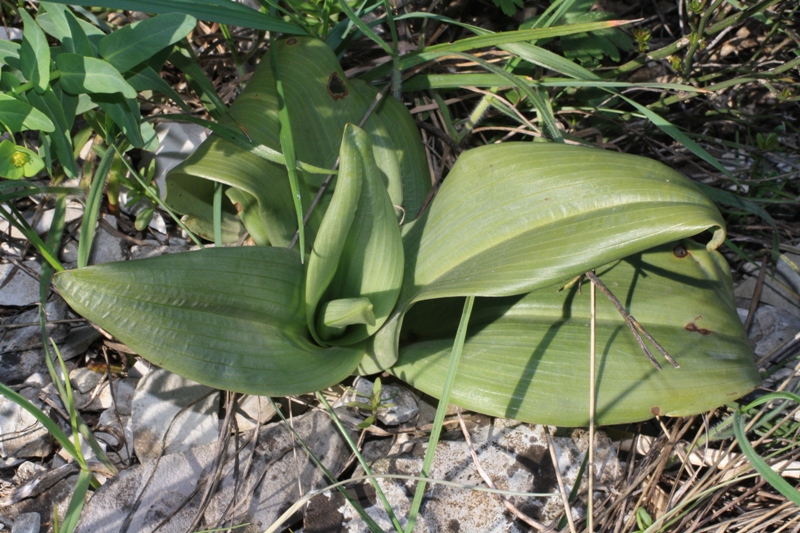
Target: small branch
x,y
634,325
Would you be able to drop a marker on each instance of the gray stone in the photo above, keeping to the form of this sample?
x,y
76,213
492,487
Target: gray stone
x,y
23,435
515,455
30,337
139,369
19,289
771,328
83,380
51,489
106,247
176,483
116,431
101,397
73,212
27,523
252,411
27,470
16,367
78,341
69,252
155,250
157,402
774,291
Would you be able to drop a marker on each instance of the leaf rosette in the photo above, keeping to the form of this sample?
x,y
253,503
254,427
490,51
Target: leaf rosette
x,y
510,225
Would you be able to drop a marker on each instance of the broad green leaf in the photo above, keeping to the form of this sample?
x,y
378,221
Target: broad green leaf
x,y
80,74
62,24
514,217
137,42
224,11
321,102
527,357
34,53
145,78
125,113
9,54
358,252
17,115
231,318
49,104
247,207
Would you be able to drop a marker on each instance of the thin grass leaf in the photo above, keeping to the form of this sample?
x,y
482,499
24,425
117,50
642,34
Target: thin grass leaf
x,y
441,410
673,131
16,219
45,420
224,11
94,199
371,524
354,448
769,475
365,29
242,141
53,242
287,146
502,38
183,58
543,108
217,214
146,78
75,506
157,197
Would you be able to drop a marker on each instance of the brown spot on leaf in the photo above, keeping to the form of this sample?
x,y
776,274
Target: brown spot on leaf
x,y
691,326
238,207
336,87
291,41
656,410
680,251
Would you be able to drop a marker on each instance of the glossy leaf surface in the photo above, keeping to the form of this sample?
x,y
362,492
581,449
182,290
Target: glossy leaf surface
x,y
358,252
527,357
514,217
231,318
321,102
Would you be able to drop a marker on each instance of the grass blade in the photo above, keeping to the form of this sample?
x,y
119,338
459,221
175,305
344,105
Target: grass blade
x,y
76,502
772,477
224,11
93,201
287,145
16,219
45,420
455,357
386,505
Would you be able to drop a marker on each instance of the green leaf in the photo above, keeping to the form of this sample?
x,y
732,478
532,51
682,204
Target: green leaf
x,y
137,42
125,113
358,252
93,201
321,101
147,79
62,24
514,217
527,357
34,54
224,11
81,74
17,115
230,318
9,54
49,104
